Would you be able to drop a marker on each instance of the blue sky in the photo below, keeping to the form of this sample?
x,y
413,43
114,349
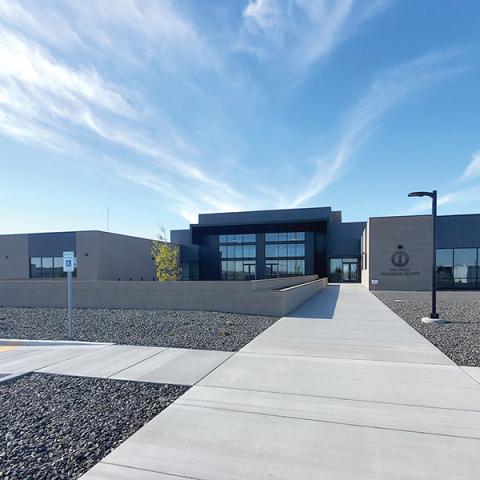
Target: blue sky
x,y
162,110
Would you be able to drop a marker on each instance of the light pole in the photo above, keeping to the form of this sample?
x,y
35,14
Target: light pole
x,y
434,317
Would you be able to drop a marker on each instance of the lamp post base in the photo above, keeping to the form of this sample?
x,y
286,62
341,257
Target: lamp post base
x,y
433,320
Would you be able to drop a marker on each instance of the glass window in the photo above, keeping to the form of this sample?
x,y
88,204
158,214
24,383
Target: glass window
x,y
445,257
230,270
222,238
300,249
249,238
336,269
271,250
291,236
238,238
238,270
282,237
282,250
230,238
224,265
238,251
249,251
271,269
47,267
299,267
35,267
282,268
465,266
271,237
292,249
249,270
444,267
58,267
301,236
291,267
223,251
230,251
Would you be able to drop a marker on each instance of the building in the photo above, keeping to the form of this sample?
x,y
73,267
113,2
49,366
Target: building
x,y
98,256
397,252
384,253
274,243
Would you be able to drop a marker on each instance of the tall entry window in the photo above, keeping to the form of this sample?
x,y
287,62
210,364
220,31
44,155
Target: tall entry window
x,y
344,270
238,254
284,254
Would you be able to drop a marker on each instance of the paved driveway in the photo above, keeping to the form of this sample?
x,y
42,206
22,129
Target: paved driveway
x,y
341,389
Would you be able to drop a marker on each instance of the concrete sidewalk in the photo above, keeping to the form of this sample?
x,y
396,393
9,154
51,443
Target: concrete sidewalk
x,y
343,389
126,362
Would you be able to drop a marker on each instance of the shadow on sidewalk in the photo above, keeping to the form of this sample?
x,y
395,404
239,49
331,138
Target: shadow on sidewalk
x,y
321,306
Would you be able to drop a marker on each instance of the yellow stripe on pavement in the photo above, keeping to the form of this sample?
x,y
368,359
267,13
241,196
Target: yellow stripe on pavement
x,y
6,348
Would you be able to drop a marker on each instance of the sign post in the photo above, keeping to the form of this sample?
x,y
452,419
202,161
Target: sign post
x,y
69,267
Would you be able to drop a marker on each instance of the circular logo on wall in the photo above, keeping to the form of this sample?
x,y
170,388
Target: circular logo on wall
x,y
400,259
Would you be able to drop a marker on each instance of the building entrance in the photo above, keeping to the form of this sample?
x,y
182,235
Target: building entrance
x,y
350,271
344,270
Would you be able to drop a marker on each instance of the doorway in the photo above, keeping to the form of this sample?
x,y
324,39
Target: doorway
x,y
344,270
350,271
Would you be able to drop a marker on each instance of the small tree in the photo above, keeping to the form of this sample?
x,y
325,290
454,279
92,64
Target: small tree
x,y
166,257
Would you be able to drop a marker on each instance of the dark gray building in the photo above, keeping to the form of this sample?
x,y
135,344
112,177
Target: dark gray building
x,y
273,243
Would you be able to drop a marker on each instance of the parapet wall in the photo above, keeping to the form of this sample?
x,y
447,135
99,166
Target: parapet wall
x,y
262,297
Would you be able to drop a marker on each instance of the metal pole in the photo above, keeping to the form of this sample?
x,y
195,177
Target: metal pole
x,y
69,305
434,313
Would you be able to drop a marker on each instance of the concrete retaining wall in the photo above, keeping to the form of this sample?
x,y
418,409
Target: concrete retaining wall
x,y
263,297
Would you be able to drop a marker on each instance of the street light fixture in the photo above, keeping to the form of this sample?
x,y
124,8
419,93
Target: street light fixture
x,y
434,317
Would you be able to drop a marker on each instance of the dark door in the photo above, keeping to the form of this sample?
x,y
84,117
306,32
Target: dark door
x,y
350,271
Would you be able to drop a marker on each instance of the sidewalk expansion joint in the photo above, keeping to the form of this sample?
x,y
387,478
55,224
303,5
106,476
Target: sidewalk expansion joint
x,y
332,422
341,398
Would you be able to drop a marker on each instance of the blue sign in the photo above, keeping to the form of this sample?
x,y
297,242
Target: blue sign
x,y
68,261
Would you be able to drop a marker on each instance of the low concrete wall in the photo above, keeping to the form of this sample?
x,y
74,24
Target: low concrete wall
x,y
262,297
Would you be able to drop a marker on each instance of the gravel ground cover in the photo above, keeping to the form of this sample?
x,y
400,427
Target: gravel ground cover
x,y
460,337
55,427
165,328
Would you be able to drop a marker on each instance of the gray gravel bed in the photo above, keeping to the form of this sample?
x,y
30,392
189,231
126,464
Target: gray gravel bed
x,y
55,427
165,328
459,339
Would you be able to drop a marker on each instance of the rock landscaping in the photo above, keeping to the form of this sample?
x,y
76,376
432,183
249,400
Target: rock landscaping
x,y
459,339
165,328
55,427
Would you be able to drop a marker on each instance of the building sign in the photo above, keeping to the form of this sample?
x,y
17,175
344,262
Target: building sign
x,y
399,260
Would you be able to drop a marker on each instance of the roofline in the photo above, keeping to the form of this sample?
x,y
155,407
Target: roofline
x,y
75,232
265,211
429,215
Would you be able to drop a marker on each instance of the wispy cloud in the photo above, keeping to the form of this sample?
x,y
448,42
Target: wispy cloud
x,y
390,89
75,110
473,169
129,30
301,32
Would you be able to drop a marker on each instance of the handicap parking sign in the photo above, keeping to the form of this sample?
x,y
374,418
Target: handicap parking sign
x,y
68,261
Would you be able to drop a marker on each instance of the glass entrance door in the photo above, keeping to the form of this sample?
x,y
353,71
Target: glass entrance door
x,y
350,271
